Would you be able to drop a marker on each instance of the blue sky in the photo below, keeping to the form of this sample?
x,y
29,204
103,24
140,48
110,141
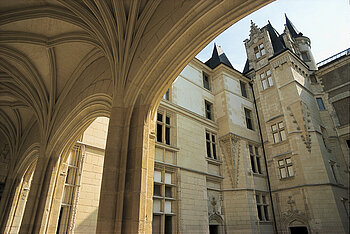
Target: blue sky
x,y
325,22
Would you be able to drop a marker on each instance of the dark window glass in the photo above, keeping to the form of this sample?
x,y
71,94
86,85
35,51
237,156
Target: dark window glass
x,y
168,224
252,163
214,151
208,110
156,190
258,164
160,117
167,120
243,89
248,118
156,224
320,104
167,135
208,149
167,191
259,212
206,83
266,213
159,133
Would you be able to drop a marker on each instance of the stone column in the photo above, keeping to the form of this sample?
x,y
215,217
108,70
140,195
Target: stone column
x,y
127,181
40,195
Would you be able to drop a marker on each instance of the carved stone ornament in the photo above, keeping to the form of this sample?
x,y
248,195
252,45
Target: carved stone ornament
x,y
230,147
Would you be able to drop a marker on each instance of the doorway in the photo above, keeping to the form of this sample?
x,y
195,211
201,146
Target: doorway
x,y
213,229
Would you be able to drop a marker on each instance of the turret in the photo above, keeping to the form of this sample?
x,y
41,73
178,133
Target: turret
x,y
299,44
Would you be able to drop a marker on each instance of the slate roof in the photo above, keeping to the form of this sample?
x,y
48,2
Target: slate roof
x,y
276,40
218,57
292,29
246,67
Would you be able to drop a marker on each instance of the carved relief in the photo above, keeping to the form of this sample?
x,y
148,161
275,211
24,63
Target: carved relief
x,y
230,146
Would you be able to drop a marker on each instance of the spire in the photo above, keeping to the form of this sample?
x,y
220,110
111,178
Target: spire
x,y
276,40
293,31
218,57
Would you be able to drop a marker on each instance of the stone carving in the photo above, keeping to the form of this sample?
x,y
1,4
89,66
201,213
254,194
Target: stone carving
x,y
230,146
254,29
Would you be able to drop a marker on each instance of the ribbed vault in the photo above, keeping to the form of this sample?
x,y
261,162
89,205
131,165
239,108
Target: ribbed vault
x,y
64,63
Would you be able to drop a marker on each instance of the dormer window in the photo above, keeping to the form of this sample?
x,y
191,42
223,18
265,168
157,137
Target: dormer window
x,y
259,51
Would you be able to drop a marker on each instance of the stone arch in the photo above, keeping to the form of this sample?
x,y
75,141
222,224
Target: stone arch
x,y
295,220
17,189
218,221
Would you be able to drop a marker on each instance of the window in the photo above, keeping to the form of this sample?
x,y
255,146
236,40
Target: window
x,y
166,96
248,118
278,132
211,145
255,159
266,79
163,127
259,51
206,82
285,167
243,89
69,190
320,104
305,56
262,207
334,170
208,110
163,201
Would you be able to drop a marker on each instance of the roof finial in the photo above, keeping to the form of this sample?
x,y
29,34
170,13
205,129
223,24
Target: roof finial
x,y
253,28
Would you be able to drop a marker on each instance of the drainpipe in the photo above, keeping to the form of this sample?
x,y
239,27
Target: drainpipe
x,y
267,171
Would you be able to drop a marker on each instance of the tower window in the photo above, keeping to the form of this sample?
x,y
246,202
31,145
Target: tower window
x,y
243,89
206,81
211,145
255,159
305,56
259,51
278,132
262,207
208,110
248,118
320,104
266,79
285,167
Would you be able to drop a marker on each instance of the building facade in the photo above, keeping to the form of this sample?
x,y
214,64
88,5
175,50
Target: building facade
x,y
262,151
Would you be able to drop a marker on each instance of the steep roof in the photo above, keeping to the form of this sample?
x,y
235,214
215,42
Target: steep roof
x,y
292,29
246,67
218,57
276,40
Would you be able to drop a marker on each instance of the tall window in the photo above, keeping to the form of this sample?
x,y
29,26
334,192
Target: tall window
x,y
248,118
262,207
164,207
278,132
206,82
259,51
208,110
211,145
243,89
266,79
285,167
163,127
320,104
305,56
69,191
255,159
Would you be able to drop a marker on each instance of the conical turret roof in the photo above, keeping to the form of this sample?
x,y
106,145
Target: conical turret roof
x,y
218,57
276,40
292,29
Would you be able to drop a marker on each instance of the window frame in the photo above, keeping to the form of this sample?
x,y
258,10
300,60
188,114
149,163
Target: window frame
x,y
249,118
166,127
320,104
266,79
206,81
287,163
259,51
208,112
255,159
163,199
244,90
212,144
262,206
278,130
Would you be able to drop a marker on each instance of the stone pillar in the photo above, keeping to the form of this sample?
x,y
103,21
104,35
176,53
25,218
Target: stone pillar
x,y
127,181
40,195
